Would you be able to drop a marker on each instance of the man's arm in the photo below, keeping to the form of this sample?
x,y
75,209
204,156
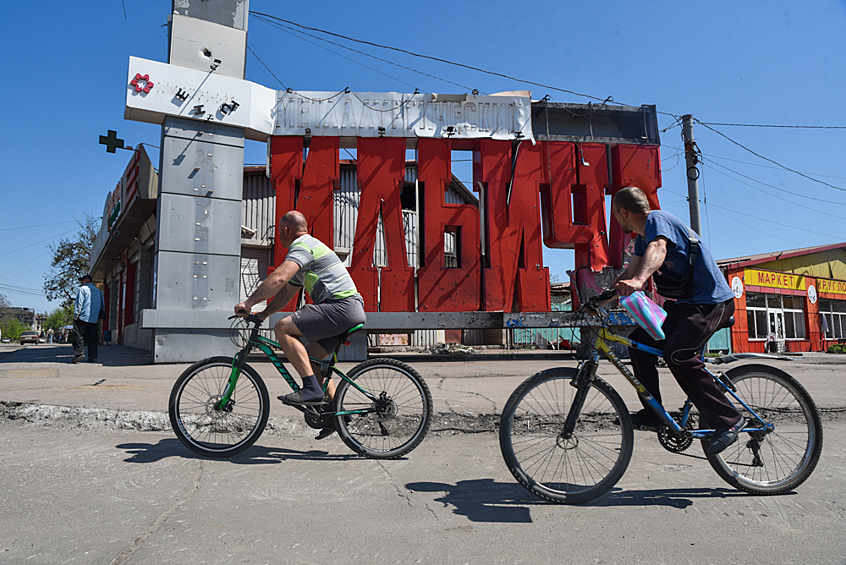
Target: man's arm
x,y
270,286
282,298
653,258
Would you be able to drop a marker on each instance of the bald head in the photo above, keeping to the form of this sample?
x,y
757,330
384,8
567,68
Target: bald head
x,y
294,220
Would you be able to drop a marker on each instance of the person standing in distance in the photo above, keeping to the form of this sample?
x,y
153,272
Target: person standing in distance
x,y
337,306
663,247
86,315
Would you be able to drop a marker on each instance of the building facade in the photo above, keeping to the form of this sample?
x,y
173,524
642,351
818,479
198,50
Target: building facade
x,y
789,301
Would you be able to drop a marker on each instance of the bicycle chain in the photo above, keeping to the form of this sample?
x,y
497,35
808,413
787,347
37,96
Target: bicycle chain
x,y
675,444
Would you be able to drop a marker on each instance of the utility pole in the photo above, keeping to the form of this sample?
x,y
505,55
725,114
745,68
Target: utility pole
x,y
691,160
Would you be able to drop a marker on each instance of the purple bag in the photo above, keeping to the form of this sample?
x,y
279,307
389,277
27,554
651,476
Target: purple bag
x,y
646,313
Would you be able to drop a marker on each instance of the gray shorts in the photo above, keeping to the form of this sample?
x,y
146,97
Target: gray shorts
x,y
325,323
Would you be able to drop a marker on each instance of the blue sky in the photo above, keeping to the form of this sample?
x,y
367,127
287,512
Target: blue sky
x,y
778,63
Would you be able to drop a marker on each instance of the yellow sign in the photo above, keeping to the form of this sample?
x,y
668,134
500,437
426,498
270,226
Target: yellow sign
x,y
833,287
774,280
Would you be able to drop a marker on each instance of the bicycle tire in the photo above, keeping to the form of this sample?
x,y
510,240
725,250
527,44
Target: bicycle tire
x,y
402,418
788,454
541,461
218,433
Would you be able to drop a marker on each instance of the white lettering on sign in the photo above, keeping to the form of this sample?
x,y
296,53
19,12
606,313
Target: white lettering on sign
x,y
391,114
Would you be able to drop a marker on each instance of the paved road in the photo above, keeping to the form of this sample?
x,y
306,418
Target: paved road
x,y
132,497
82,484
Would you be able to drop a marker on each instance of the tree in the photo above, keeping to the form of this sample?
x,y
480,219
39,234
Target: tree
x,y
11,327
4,302
58,318
70,261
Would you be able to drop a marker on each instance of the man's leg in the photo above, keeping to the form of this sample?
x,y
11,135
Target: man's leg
x,y
644,365
696,324
91,336
315,350
287,334
78,344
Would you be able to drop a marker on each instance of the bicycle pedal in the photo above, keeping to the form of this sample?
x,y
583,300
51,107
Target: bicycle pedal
x,y
647,428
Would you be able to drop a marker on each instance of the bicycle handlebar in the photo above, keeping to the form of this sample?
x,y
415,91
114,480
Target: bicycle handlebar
x,y
249,317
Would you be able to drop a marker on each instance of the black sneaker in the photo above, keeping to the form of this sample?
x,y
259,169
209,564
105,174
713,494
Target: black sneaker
x,y
78,358
724,437
326,431
300,399
645,419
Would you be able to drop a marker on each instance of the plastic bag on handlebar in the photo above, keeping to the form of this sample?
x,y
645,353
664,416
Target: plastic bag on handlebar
x,y
646,313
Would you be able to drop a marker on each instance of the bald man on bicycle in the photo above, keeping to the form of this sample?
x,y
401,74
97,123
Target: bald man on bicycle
x,y
684,270
337,307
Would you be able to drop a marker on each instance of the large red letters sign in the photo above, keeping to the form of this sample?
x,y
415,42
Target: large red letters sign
x,y
381,174
563,183
442,288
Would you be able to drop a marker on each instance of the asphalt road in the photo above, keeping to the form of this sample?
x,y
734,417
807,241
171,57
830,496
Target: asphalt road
x,y
105,496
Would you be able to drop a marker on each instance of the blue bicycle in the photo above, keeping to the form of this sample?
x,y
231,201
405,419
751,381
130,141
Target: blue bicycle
x,y
567,437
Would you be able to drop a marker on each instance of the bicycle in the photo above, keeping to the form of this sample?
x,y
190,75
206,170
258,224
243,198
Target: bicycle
x,y
567,437
220,406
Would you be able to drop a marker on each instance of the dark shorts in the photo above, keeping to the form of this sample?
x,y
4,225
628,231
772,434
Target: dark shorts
x,y
325,323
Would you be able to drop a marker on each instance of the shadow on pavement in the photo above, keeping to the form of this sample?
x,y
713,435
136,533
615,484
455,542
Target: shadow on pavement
x,y
255,455
484,500
62,353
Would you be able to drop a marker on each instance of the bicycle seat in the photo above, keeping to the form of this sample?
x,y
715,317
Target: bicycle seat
x,y
729,323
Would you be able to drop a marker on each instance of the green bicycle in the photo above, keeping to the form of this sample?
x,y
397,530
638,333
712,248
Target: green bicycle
x,y
219,406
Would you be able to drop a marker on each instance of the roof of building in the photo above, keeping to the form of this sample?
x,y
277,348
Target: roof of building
x,y
750,260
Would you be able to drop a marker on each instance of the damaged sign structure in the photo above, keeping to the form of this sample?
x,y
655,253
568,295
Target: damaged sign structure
x,y
542,173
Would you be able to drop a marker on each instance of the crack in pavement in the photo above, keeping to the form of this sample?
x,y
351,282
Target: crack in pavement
x,y
127,553
400,493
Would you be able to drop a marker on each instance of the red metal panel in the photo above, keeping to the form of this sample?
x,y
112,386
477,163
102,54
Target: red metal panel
x,y
516,279
315,199
446,289
573,200
129,299
381,173
286,168
632,165
107,294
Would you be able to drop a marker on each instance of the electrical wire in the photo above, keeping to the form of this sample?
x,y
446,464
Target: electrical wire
x,y
770,160
282,27
770,126
776,187
266,67
766,166
36,243
37,226
429,57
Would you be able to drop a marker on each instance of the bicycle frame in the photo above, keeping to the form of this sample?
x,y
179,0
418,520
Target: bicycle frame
x,y
600,347
264,345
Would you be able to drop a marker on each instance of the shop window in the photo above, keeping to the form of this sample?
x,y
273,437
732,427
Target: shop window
x,y
781,315
834,316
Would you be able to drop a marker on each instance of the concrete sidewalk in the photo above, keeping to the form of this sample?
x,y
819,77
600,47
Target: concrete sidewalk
x,y
469,390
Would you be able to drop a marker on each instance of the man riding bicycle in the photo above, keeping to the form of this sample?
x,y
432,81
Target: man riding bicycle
x,y
337,306
668,249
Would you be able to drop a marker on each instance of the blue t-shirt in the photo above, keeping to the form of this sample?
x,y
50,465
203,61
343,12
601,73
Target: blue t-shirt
x,y
709,284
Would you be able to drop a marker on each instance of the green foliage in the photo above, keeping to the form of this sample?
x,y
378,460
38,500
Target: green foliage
x,y
12,328
837,348
70,261
58,318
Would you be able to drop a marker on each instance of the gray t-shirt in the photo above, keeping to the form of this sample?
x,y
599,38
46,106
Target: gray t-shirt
x,y
321,272
709,284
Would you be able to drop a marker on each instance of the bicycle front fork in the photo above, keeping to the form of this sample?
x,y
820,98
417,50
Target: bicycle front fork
x,y
582,383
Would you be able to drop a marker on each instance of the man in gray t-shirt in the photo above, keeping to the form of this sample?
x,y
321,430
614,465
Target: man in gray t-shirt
x,y
663,243
337,307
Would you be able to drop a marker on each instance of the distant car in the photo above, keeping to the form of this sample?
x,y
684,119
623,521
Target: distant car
x,y
7,340
29,337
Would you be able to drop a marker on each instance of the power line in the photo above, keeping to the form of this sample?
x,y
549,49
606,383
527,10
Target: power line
x,y
37,242
769,126
762,165
839,216
775,187
438,59
770,160
283,28
37,226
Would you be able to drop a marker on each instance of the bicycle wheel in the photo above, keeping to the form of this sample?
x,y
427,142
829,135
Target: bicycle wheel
x,y
396,421
209,431
780,460
572,470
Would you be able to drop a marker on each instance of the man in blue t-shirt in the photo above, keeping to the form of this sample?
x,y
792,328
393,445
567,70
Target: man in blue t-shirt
x,y
663,246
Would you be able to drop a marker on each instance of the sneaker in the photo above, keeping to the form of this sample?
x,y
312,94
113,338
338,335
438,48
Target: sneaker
x,y
645,419
78,358
724,437
297,398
